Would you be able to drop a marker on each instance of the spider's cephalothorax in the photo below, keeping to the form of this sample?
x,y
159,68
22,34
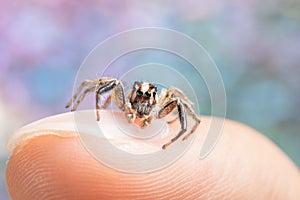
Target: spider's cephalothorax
x,y
143,98
143,102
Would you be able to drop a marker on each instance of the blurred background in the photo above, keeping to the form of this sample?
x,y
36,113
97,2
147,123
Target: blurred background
x,y
255,44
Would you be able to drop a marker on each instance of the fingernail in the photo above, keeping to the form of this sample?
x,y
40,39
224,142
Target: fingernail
x,y
113,125
59,125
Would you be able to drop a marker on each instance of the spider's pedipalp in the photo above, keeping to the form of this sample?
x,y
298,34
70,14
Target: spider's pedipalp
x,y
133,90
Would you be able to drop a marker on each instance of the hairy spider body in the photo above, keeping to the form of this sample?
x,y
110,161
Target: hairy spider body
x,y
143,98
143,102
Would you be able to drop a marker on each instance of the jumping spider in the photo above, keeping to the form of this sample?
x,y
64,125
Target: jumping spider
x,y
143,102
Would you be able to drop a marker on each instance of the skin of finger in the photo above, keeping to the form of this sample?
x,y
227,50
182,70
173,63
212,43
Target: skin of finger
x,y
243,165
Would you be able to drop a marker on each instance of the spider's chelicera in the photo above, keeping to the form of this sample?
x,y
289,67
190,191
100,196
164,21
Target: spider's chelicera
x,y
143,102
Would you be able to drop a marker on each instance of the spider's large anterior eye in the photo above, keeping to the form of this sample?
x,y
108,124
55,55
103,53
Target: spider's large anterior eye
x,y
147,94
139,93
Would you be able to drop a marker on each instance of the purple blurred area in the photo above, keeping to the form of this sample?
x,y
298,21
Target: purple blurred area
x,y
255,44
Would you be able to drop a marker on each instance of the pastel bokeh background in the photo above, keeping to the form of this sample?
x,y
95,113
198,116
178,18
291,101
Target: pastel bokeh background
x,y
255,44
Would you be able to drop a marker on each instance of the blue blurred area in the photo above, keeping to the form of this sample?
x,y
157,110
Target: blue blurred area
x,y
255,44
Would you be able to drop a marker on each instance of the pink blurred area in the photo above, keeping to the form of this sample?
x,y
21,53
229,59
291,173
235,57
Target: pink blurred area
x,y
255,45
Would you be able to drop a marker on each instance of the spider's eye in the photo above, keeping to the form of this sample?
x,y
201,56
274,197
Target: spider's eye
x,y
147,94
139,93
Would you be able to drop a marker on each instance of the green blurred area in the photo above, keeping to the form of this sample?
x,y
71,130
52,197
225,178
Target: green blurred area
x,y
255,44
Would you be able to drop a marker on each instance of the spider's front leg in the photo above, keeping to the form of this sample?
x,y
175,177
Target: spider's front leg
x,y
101,86
90,86
114,85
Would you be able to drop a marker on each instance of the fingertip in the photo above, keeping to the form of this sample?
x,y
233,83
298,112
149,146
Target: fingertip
x,y
53,167
50,166
33,168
